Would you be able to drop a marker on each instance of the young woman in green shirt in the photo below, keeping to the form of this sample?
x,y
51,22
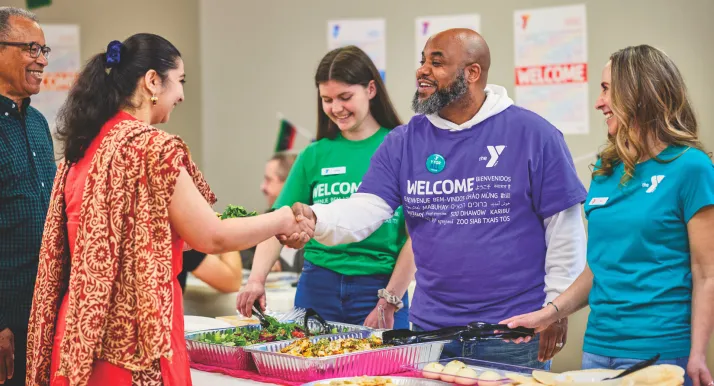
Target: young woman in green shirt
x,y
346,283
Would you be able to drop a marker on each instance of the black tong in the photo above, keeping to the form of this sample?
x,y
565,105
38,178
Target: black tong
x,y
310,313
259,314
636,367
406,336
477,331
490,331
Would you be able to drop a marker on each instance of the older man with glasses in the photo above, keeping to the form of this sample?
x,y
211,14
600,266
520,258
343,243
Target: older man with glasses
x,y
27,170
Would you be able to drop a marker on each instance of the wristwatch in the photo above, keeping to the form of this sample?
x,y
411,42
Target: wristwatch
x,y
391,299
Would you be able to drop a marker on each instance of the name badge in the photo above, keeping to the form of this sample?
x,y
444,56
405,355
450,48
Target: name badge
x,y
334,171
599,200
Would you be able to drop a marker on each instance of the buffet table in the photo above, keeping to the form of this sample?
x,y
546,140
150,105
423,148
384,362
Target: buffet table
x,y
416,365
213,379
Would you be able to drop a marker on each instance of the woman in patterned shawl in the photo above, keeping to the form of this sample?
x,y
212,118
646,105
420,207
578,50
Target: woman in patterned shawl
x,y
107,306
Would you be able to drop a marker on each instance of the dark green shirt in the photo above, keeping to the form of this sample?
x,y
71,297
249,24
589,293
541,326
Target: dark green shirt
x,y
27,171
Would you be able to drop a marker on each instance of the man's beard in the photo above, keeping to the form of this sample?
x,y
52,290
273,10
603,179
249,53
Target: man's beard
x,y
441,98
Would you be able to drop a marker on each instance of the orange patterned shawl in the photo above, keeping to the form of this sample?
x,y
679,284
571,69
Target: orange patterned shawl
x,y
120,285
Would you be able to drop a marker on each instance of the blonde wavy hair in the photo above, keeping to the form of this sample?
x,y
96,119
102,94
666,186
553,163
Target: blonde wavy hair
x,y
650,101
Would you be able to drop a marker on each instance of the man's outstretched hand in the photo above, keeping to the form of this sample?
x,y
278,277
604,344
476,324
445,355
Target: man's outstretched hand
x,y
307,220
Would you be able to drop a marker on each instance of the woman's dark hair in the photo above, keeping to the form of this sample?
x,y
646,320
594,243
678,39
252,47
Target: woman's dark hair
x,y
106,86
352,66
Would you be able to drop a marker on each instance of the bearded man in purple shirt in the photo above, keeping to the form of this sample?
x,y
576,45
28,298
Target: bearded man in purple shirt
x,y
491,199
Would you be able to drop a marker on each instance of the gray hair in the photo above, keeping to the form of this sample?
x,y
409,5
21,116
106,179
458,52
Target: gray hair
x,y
6,12
285,163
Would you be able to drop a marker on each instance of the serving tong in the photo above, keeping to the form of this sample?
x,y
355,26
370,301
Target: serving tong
x,y
476,331
325,328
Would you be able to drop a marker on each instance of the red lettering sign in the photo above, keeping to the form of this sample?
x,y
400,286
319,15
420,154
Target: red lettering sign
x,y
552,74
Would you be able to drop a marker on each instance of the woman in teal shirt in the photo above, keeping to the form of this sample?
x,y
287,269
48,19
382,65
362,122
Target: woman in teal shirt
x,y
650,209
345,283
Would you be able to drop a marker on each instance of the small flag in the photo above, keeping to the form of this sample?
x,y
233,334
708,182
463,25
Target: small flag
x,y
31,4
286,136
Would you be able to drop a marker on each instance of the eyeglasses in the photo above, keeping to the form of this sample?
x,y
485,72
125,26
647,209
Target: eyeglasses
x,y
34,48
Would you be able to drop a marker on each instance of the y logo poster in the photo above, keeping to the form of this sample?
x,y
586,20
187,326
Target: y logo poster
x,y
428,26
367,34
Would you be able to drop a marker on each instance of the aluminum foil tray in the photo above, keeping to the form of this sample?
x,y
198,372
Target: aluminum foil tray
x,y
398,381
236,358
384,361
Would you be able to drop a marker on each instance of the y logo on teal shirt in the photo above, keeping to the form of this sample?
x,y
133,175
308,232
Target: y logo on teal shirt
x,y
435,163
653,186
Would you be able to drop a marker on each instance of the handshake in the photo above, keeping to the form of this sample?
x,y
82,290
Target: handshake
x,y
298,225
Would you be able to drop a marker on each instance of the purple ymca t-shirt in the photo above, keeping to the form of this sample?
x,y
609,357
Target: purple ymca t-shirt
x,y
474,202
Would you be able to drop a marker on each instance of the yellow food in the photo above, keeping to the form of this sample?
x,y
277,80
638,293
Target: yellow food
x,y
544,377
489,378
433,370
325,347
361,381
676,371
451,369
518,378
658,375
466,376
458,364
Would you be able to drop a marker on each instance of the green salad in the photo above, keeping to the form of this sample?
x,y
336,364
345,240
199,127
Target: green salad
x,y
247,336
233,211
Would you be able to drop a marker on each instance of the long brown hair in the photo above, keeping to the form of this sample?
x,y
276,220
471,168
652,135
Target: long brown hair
x,y
650,101
352,66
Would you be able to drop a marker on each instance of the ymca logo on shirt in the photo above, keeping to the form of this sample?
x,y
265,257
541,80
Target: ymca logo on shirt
x,y
651,187
494,153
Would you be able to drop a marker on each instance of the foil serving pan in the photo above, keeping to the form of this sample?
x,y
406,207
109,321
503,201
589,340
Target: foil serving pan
x,y
384,361
235,357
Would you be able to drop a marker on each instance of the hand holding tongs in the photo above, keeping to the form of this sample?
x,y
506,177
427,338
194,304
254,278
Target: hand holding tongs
x,y
259,313
488,331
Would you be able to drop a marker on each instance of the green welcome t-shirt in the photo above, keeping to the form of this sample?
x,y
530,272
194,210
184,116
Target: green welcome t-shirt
x,y
329,170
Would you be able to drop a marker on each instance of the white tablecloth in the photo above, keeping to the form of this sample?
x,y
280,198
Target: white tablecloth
x,y
201,378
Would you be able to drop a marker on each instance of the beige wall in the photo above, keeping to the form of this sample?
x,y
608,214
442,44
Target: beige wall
x,y
102,21
260,57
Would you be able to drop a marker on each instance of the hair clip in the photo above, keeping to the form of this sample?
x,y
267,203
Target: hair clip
x,y
113,55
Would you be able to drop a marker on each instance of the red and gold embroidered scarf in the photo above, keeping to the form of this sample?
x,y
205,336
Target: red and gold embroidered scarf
x,y
120,285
